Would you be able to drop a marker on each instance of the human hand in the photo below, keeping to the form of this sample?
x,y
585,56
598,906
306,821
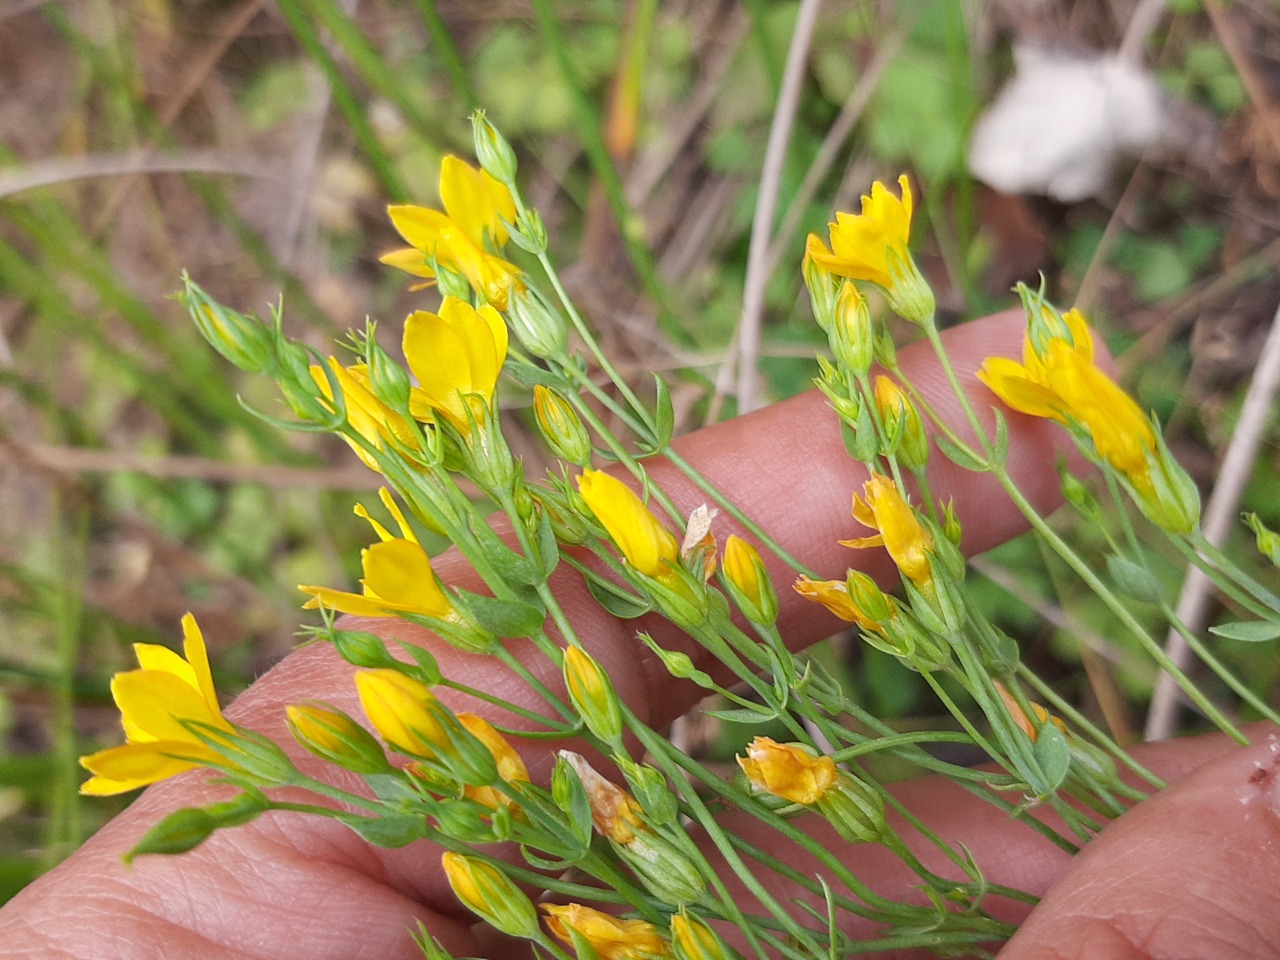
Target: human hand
x,y
1189,872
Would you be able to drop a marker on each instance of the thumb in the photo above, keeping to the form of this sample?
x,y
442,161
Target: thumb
x,y
1192,872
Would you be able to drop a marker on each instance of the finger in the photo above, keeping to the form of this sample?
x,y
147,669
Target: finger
x,y
753,461
1192,872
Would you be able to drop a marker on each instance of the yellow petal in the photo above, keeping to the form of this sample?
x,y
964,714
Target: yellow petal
x,y
198,657
475,201
645,543
411,260
421,227
356,604
133,765
399,573
152,704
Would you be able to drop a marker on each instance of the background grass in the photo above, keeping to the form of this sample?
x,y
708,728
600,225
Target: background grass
x,y
255,145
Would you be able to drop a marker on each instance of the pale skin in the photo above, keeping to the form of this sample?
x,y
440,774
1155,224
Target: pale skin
x,y
1190,873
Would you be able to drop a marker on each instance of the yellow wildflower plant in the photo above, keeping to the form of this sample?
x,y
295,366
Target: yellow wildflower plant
x,y
490,894
641,538
610,937
1060,381
745,570
787,770
872,246
475,206
511,766
398,577
900,531
457,356
154,702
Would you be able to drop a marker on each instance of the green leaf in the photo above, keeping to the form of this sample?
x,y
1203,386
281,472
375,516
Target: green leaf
x,y
1255,631
959,456
391,832
664,416
548,546
502,618
742,715
617,601
1134,580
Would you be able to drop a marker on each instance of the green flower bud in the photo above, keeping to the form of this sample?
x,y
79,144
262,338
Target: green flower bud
x,y
388,380
1267,540
492,150
537,325
361,649
560,427
244,340
852,334
186,829
593,696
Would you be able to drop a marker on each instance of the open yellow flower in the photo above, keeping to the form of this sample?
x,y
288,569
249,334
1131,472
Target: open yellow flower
x,y
397,576
787,770
366,414
1060,381
872,246
612,939
475,205
457,356
907,541
645,543
154,701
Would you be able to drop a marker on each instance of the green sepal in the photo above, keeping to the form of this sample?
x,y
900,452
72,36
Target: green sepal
x,y
651,791
510,565
1255,631
743,715
428,668
1053,755
548,546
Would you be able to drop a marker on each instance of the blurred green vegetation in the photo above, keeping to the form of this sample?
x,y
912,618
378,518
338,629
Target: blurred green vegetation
x,y
255,146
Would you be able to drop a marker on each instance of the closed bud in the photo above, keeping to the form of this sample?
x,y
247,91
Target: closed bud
x,y
679,664
491,895
1076,493
593,696
537,325
530,233
510,765
651,790
560,427
951,528
1268,542
854,808
852,334
790,771
332,735
902,423
749,582
664,868
492,150
1173,501
691,939
822,292
186,829
388,380
244,340
361,649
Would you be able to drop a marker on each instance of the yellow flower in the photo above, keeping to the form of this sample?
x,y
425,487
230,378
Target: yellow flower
x,y
1061,382
397,576
592,694
366,414
787,770
475,204
900,531
404,711
834,595
154,701
645,543
510,765
612,939
902,422
457,356
692,939
872,246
